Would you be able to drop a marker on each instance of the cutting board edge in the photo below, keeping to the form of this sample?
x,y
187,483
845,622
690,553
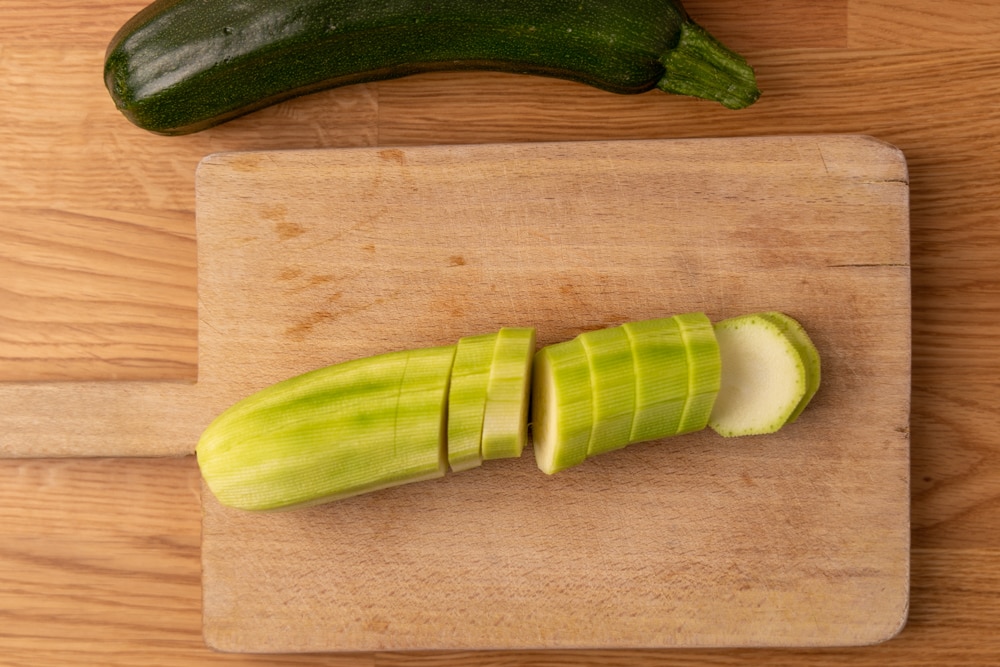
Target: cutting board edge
x,y
870,635
878,146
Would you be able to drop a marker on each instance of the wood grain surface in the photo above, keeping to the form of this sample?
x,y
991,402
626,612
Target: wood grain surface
x,y
100,559
308,258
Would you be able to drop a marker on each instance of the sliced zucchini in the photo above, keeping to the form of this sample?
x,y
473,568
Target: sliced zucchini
x,y
505,422
470,378
763,377
661,377
407,416
562,406
704,370
796,333
612,381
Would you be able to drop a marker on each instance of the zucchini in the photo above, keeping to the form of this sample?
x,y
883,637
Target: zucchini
x,y
770,371
372,423
704,370
613,387
807,352
505,420
407,416
332,433
612,377
661,377
180,66
470,379
562,406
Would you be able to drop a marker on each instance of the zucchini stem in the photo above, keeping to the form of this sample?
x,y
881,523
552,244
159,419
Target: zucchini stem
x,y
700,66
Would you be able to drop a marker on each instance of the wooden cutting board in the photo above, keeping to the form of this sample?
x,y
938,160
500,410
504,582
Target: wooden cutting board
x,y
797,539
311,257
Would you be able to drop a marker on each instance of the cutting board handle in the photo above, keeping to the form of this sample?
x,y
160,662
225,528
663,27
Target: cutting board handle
x,y
62,419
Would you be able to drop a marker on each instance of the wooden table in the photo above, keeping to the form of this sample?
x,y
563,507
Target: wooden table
x,y
99,558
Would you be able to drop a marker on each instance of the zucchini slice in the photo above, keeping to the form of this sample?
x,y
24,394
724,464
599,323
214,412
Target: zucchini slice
x,y
807,351
704,370
470,378
421,412
562,406
763,377
505,422
661,377
612,380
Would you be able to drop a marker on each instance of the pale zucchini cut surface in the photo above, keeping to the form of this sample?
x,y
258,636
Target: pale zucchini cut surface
x,y
562,406
470,377
796,333
704,370
505,421
330,433
612,381
763,377
661,377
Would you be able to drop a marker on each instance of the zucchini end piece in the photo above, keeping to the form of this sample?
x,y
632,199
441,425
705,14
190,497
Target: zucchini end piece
x,y
763,377
797,335
335,432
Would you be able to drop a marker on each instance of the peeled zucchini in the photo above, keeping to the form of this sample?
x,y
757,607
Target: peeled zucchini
x,y
372,423
505,422
331,433
562,406
704,370
661,377
470,379
647,380
407,416
807,351
612,376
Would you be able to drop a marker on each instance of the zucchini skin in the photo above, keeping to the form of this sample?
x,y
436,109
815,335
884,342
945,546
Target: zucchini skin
x,y
180,66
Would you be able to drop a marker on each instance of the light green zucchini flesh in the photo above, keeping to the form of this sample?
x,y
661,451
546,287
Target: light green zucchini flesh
x,y
421,413
331,433
763,377
796,333
704,370
470,378
612,378
661,377
562,406
505,422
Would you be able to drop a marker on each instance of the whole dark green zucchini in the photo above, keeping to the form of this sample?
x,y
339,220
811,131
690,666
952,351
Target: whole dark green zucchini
x,y
179,66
